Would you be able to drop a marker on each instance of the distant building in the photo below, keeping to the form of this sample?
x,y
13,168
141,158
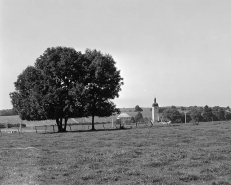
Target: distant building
x,y
152,114
124,117
155,112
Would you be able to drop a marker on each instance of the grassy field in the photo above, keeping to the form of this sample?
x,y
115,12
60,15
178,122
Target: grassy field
x,y
185,154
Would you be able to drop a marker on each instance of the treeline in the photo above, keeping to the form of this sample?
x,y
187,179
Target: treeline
x,y
195,114
177,114
8,112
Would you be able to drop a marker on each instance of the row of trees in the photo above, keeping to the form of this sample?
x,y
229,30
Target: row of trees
x,y
65,83
177,115
8,112
197,114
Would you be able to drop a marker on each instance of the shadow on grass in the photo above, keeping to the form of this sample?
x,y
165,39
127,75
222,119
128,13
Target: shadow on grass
x,y
96,130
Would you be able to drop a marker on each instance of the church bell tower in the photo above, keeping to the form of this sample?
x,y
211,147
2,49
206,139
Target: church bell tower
x,y
155,112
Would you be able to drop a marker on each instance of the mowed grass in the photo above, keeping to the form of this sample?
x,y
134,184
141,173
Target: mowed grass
x,y
185,154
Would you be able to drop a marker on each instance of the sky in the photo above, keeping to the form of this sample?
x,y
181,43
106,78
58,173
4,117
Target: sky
x,y
178,51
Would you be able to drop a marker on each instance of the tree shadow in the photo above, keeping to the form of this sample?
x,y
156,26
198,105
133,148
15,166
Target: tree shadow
x,y
96,130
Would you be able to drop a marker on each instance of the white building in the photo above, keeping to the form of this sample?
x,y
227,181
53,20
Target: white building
x,y
155,112
124,117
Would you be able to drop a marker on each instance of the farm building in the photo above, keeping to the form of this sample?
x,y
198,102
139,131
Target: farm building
x,y
124,117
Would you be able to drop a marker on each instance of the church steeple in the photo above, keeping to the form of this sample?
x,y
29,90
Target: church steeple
x,y
155,104
155,112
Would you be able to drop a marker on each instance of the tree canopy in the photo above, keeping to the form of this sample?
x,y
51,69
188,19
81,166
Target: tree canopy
x,y
101,84
196,115
8,112
65,83
138,109
207,113
138,117
172,114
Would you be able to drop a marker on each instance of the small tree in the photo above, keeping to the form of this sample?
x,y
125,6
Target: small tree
x,y
118,122
138,109
138,117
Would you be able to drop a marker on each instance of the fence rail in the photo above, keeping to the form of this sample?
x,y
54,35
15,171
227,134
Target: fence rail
x,y
75,127
54,128
71,127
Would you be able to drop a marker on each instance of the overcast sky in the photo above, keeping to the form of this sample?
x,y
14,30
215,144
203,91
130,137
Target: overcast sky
x,y
176,50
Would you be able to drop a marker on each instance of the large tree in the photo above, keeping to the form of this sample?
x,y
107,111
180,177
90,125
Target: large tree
x,y
65,83
48,89
102,83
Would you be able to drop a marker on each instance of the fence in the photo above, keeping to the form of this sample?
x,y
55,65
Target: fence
x,y
84,127
72,127
54,128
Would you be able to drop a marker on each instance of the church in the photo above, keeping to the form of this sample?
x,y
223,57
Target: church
x,y
155,112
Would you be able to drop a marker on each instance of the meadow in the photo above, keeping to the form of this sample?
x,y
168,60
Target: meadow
x,y
181,154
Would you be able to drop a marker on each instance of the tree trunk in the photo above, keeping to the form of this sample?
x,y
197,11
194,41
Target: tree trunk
x,y
59,122
65,124
93,124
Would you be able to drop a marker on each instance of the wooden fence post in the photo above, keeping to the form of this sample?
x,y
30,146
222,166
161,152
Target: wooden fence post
x,y
53,128
70,126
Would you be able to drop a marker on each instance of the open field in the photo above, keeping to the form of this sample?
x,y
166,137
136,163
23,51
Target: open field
x,y
185,154
16,120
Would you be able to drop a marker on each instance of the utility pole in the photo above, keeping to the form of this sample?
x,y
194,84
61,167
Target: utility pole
x,y
20,126
185,117
185,112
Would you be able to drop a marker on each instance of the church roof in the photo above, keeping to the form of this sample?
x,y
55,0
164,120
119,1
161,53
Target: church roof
x,y
124,115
